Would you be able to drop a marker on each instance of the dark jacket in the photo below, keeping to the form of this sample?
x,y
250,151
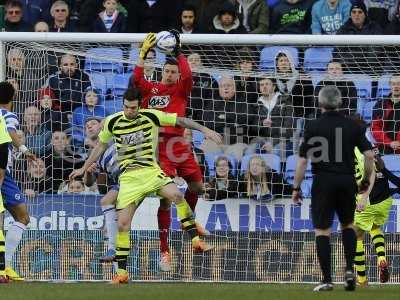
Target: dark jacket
x,y
69,90
247,88
393,28
162,15
236,27
119,25
218,190
370,27
70,26
292,18
17,27
281,117
258,16
348,91
201,93
205,13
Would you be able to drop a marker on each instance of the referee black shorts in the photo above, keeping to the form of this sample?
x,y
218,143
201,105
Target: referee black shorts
x,y
332,193
4,155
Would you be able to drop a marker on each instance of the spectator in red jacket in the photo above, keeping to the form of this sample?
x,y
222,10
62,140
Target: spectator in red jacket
x,y
385,125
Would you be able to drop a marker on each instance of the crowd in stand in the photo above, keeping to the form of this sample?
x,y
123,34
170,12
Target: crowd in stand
x,y
61,107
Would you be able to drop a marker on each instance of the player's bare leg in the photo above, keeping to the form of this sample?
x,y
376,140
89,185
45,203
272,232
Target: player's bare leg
x,y
14,236
379,242
185,215
125,217
359,259
110,219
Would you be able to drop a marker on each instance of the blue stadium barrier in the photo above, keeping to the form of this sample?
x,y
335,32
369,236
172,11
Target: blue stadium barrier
x,y
272,160
104,65
268,54
317,59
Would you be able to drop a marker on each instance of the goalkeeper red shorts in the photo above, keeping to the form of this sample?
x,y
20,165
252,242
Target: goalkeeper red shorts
x,y
178,160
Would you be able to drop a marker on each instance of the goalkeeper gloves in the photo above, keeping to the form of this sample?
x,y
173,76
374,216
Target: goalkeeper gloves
x,y
148,43
177,49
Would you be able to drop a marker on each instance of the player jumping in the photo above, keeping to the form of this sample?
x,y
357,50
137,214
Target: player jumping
x,y
175,156
14,200
372,212
135,134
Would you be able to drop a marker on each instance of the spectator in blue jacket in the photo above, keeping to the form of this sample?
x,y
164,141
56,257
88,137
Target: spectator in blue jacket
x,y
329,15
90,108
110,19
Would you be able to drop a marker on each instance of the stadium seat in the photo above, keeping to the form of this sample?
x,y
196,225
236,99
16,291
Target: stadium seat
x,y
211,157
93,63
113,106
367,111
268,54
99,82
392,163
383,86
197,138
290,171
273,161
317,59
363,85
118,83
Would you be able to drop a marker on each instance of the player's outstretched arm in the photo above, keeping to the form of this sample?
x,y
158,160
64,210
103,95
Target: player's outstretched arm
x,y
93,157
190,124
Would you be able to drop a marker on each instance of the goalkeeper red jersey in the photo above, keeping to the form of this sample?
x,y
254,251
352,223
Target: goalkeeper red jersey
x,y
168,98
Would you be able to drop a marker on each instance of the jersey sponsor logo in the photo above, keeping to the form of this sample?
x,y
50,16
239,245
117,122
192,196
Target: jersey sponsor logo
x,y
133,138
159,101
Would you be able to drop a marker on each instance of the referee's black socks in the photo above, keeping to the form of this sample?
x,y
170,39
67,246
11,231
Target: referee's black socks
x,y
324,256
349,241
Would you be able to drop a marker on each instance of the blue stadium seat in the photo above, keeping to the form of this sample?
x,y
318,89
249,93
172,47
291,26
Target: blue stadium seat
x,y
113,106
272,160
118,83
392,163
93,64
99,81
268,54
367,111
211,157
317,59
383,86
290,171
363,85
197,138
317,77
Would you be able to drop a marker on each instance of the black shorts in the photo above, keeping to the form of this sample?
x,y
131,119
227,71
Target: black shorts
x,y
4,155
332,193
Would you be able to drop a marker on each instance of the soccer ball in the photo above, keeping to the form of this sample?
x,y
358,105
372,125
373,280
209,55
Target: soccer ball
x,y
165,42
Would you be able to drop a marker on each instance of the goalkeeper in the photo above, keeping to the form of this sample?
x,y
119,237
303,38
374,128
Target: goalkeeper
x,y
372,212
135,134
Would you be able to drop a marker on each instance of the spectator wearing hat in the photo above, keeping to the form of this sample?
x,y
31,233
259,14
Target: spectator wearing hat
x,y
329,15
227,21
90,108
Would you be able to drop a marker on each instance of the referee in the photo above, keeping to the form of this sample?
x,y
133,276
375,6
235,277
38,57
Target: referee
x,y
329,143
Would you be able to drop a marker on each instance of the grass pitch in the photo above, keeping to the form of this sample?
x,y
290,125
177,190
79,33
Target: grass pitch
x,y
180,291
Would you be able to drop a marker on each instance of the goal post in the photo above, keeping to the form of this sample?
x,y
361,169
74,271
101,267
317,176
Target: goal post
x,y
259,235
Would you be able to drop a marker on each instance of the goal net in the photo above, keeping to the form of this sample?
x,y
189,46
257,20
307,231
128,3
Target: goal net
x,y
258,94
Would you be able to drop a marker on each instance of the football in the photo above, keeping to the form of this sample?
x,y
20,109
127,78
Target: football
x,y
165,42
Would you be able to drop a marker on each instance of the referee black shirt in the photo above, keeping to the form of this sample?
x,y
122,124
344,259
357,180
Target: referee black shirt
x,y
329,143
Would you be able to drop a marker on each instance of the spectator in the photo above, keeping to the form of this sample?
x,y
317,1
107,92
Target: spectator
x,y
60,13
35,181
260,182
393,27
359,23
63,160
224,185
347,88
254,15
206,10
13,19
227,114
188,20
246,84
92,130
69,84
385,125
35,10
41,27
227,21
151,16
292,17
56,120
329,15
271,119
202,87
91,108
110,19
379,10
89,11
290,84
76,186
37,136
